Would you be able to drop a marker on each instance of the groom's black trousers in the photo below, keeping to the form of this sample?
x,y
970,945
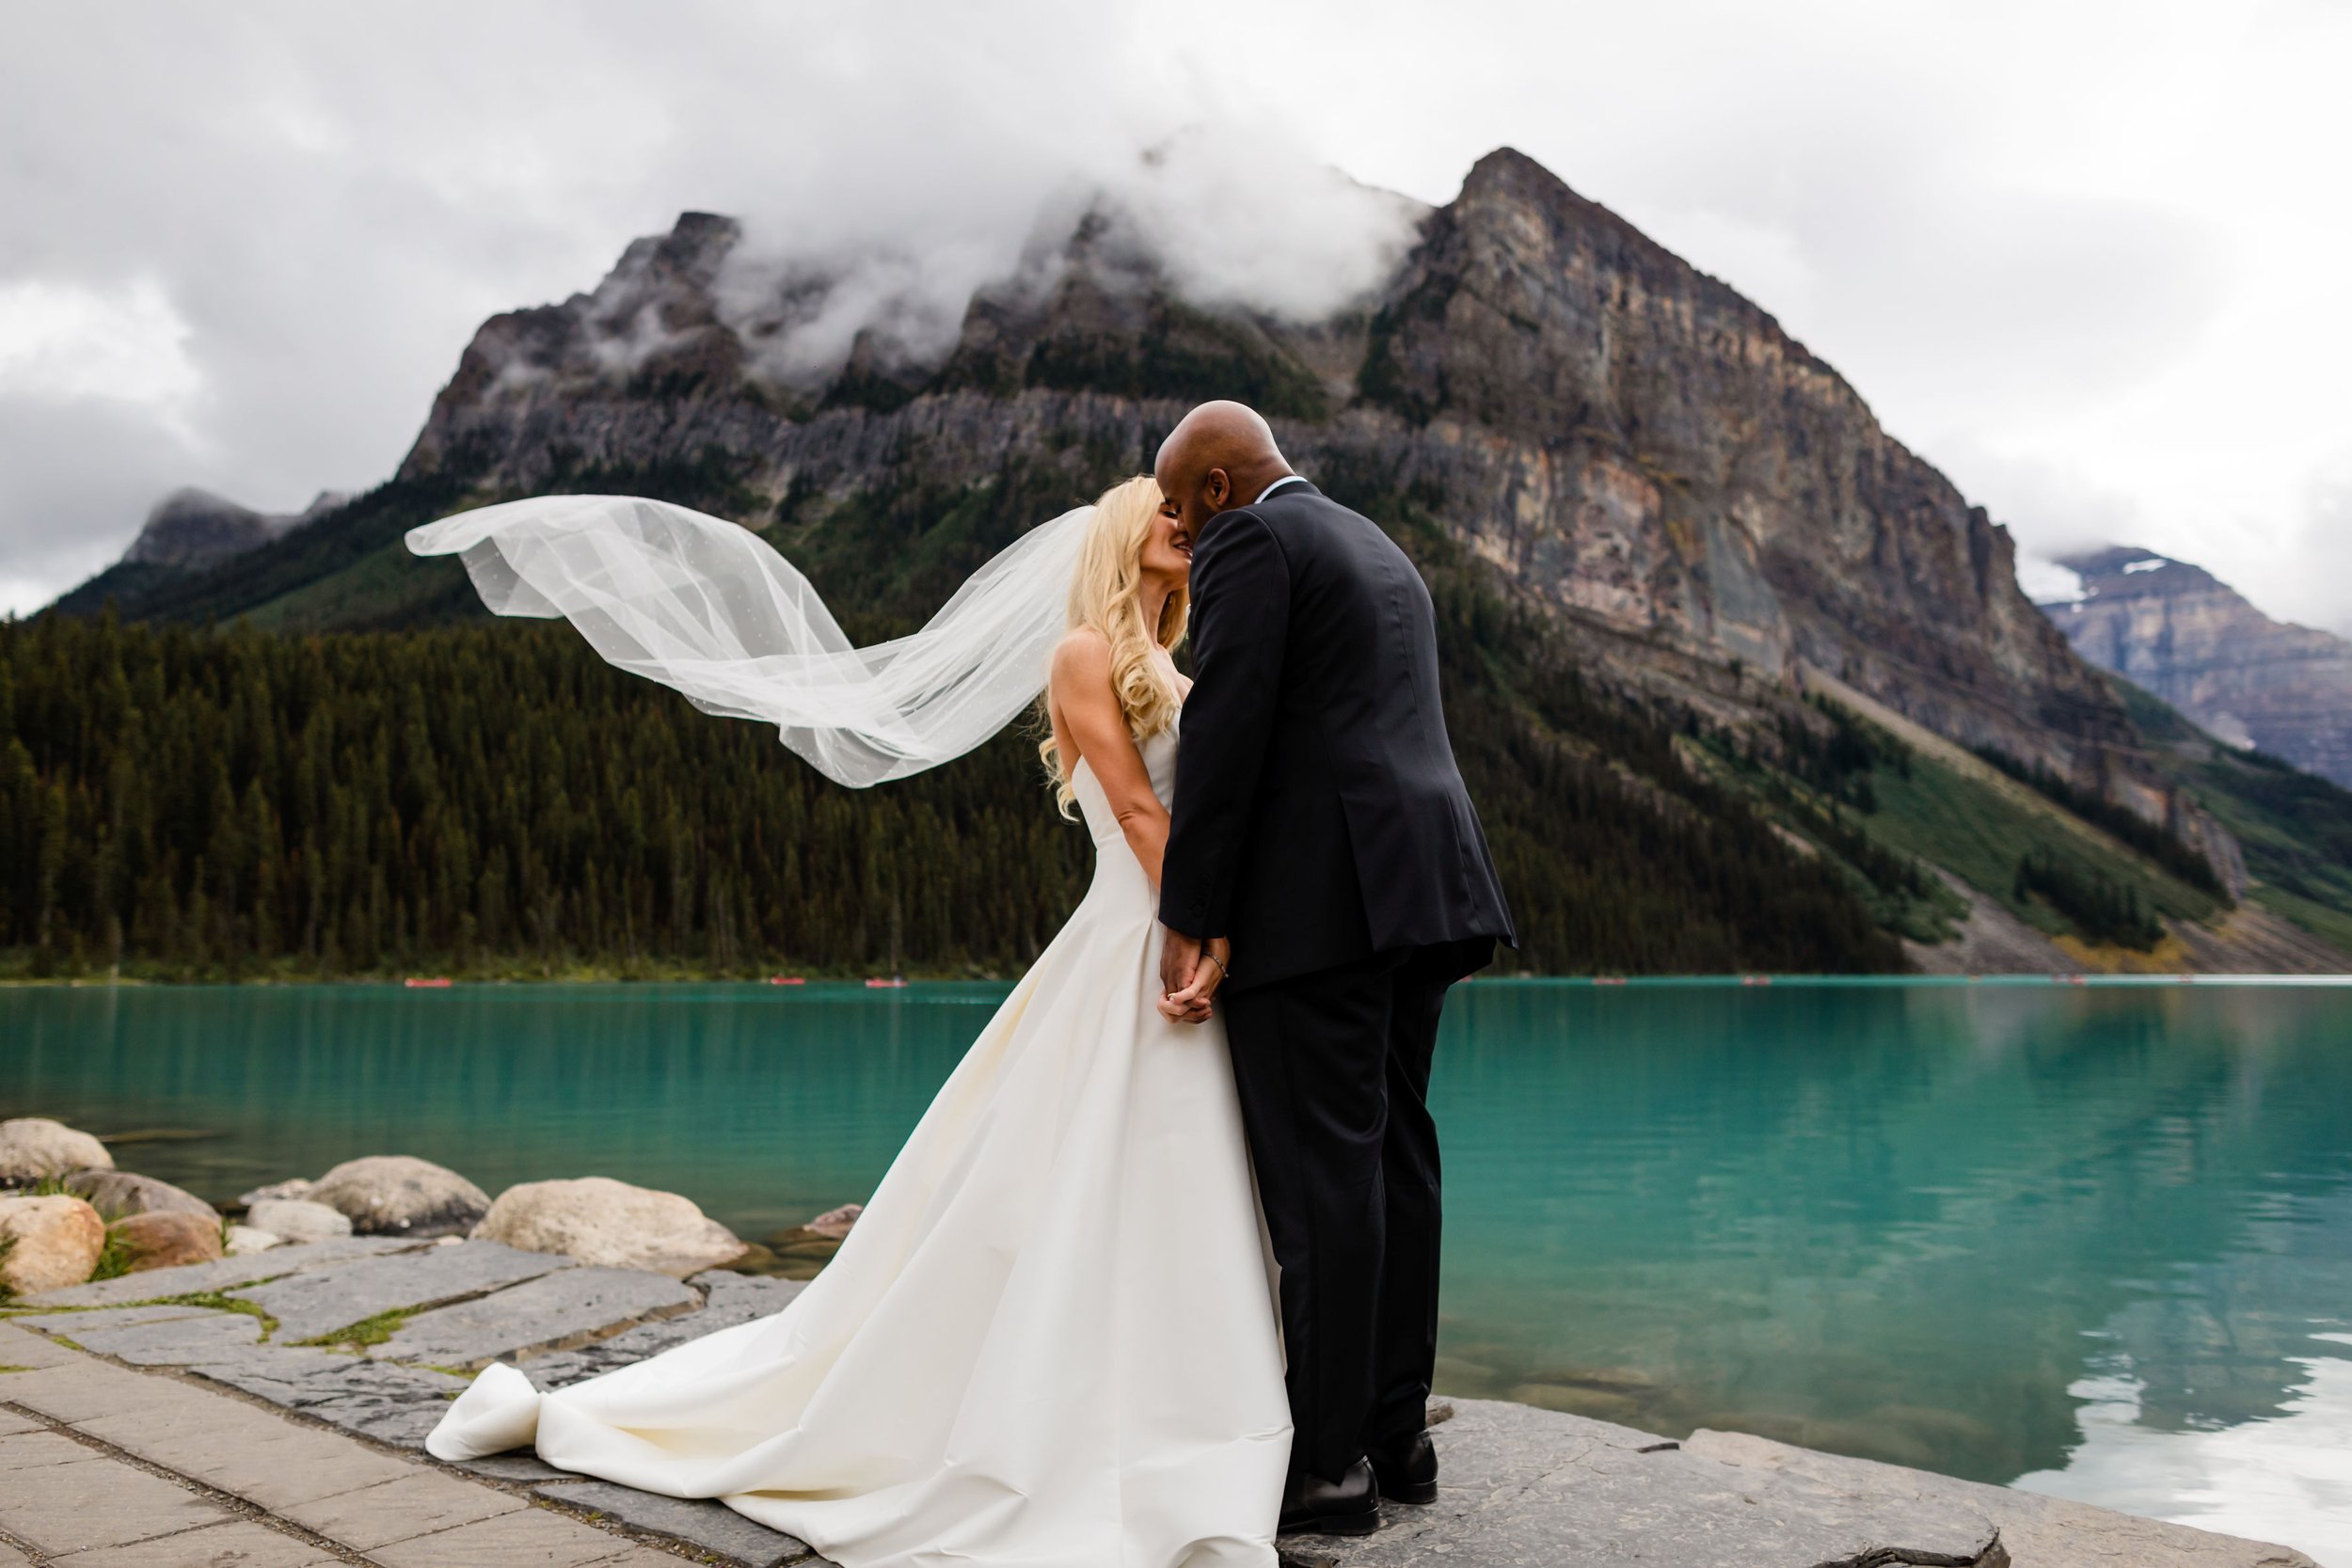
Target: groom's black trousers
x,y
1333,1072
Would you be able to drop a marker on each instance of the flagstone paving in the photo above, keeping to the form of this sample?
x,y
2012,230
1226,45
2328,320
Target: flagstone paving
x,y
105,1467
169,1342
225,1274
167,1419
554,1312
319,1302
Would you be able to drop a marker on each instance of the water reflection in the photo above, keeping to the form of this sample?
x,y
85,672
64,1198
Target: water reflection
x,y
1996,1231
1885,1221
2288,1477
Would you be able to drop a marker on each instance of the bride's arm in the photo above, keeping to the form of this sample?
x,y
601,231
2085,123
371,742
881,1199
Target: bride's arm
x,y
1086,715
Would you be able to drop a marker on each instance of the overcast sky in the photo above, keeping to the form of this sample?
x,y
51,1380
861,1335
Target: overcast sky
x,y
2089,258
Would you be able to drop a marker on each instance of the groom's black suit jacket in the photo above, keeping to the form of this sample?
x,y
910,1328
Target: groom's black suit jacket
x,y
1319,815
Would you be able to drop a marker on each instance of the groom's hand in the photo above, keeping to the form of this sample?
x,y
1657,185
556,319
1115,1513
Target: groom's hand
x,y
1179,955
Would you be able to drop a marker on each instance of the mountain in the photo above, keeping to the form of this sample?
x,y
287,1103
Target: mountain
x,y
187,532
2180,632
1631,443
1739,679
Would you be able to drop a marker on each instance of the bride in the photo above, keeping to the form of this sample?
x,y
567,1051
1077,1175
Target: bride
x,y
1051,1342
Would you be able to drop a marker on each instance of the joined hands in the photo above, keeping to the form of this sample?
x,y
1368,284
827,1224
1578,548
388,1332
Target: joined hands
x,y
1190,974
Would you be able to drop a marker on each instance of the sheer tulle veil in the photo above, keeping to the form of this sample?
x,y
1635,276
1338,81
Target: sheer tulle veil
x,y
707,607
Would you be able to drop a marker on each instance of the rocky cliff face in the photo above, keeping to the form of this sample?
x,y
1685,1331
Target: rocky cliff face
x,y
1629,442
2180,632
1635,441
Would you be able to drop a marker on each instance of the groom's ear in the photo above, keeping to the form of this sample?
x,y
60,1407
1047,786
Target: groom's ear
x,y
1217,490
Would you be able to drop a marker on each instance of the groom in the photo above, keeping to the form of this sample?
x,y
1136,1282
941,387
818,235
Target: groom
x,y
1324,847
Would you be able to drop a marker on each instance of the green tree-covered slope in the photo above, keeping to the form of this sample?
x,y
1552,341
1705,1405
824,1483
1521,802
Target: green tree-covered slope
x,y
489,799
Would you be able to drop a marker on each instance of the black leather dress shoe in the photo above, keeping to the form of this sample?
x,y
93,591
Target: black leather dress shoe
x,y
1407,1471
1348,1506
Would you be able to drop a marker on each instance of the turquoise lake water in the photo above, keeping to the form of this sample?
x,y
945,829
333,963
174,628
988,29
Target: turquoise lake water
x,y
2096,1240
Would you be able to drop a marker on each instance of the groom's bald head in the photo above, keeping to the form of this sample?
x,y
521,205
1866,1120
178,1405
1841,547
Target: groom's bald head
x,y
1219,455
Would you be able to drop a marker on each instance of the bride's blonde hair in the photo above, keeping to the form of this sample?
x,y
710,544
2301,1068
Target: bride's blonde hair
x,y
1106,593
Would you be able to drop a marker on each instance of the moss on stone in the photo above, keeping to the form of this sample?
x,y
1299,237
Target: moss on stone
x,y
366,1332
216,1302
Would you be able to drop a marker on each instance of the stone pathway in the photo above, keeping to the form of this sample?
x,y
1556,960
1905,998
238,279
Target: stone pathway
x,y
105,1467
175,1419
157,1387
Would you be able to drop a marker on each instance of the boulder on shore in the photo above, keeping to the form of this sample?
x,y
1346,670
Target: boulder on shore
x,y
243,1241
600,1221
166,1238
801,1251
398,1194
35,1148
293,1186
117,1194
51,1242
293,1219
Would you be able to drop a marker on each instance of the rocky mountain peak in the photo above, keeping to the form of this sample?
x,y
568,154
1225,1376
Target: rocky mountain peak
x,y
191,529
2177,630
187,534
698,243
2128,571
1507,178
659,288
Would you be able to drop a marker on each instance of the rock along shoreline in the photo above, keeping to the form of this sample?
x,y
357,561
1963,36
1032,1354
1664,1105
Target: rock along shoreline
x,y
352,1307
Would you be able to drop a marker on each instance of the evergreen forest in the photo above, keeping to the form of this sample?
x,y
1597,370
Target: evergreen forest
x,y
488,798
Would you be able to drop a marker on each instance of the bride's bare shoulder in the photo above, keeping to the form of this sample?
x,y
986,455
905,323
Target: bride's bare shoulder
x,y
1082,660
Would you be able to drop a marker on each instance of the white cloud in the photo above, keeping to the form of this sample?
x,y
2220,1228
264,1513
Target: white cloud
x,y
1241,215
1769,262
2059,507
2047,582
71,340
2316,587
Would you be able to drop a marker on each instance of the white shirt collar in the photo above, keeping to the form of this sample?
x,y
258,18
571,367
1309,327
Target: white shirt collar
x,y
1286,479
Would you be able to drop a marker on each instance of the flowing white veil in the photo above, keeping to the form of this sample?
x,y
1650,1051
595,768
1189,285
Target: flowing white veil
x,y
708,607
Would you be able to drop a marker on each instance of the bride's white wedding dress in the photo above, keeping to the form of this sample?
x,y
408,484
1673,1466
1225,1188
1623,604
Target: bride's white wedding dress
x,y
1051,1340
